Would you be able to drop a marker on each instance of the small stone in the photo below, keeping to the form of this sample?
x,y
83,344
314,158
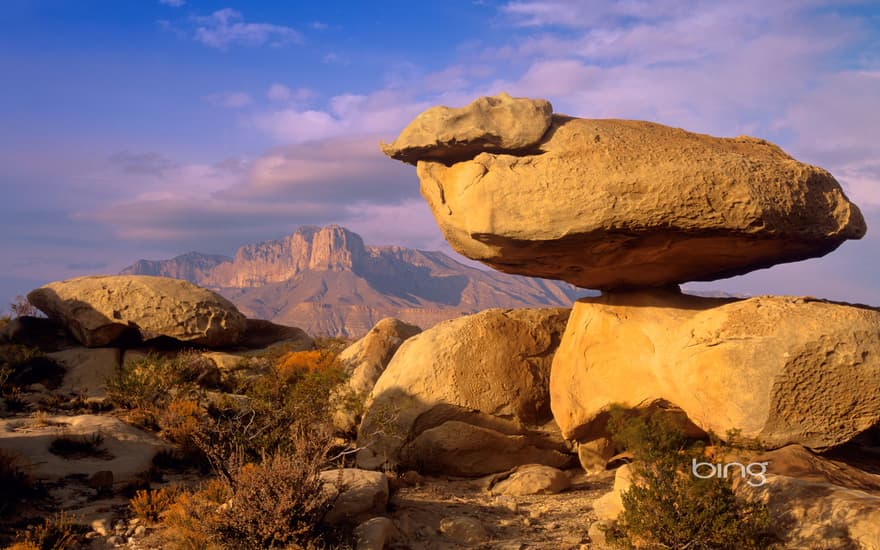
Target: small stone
x,y
507,502
374,534
115,540
140,531
102,481
464,530
101,526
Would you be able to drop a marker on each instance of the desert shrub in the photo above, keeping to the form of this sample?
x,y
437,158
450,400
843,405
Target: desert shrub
x,y
667,507
75,447
293,365
55,533
150,504
276,503
17,484
23,365
296,391
149,384
20,306
180,421
333,344
185,522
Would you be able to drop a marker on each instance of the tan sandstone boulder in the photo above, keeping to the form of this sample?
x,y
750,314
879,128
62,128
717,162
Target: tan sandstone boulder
x,y
779,369
531,479
468,397
365,361
100,310
499,123
367,358
612,204
357,495
813,514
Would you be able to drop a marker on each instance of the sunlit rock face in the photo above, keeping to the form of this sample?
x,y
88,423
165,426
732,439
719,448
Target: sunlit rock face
x,y
615,204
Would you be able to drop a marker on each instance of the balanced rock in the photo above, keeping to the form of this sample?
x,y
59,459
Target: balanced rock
x,y
614,204
99,310
497,124
779,369
468,397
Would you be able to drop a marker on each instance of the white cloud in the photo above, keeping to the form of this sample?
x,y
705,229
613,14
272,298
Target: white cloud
x,y
229,99
280,92
173,3
227,27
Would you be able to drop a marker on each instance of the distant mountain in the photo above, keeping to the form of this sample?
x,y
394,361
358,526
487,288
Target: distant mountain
x,y
326,281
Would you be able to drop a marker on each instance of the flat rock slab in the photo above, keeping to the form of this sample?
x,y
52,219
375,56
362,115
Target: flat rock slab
x,y
614,204
101,310
780,369
129,451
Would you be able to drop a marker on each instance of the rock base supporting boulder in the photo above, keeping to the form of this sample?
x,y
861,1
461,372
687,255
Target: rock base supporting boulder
x,y
779,369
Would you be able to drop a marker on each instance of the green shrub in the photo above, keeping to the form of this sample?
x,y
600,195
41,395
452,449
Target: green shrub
x,y
667,506
149,384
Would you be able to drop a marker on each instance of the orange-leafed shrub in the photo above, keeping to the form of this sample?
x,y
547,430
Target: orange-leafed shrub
x,y
295,364
180,421
150,504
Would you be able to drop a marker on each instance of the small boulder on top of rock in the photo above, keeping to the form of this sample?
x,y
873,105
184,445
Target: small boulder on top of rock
x,y
496,124
100,310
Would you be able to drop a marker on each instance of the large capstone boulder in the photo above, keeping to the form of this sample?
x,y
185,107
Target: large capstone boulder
x,y
779,369
101,310
468,397
497,124
614,204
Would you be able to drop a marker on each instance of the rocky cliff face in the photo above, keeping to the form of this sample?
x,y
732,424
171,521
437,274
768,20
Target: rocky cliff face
x,y
325,280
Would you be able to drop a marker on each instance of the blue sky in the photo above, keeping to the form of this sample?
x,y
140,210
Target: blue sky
x,y
148,128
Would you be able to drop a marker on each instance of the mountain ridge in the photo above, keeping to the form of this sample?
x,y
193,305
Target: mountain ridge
x,y
326,281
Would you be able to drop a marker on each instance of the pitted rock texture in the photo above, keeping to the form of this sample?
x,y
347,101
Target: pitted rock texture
x,y
616,204
468,397
499,123
780,369
99,310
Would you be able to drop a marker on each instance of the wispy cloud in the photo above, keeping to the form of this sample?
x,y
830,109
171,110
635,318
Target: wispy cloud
x,y
281,93
232,100
227,27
